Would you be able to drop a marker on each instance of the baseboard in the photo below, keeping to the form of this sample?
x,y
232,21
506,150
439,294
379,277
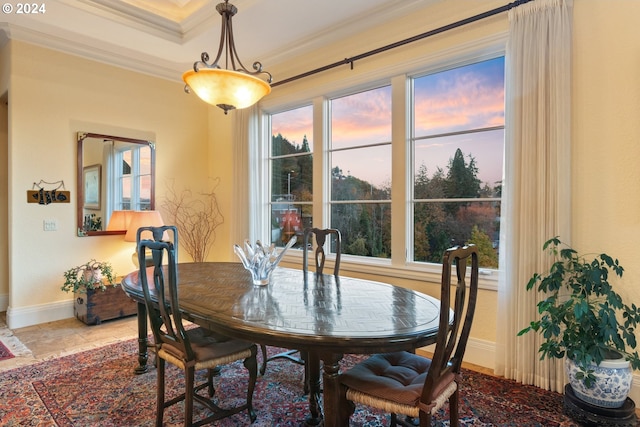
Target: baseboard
x,y
37,314
483,353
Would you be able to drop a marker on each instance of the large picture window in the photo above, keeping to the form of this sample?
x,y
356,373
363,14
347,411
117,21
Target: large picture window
x,y
447,188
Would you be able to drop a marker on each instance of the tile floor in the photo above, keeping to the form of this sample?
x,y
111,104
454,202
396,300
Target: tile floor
x,y
55,339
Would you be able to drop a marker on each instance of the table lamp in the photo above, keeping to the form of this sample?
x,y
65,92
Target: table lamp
x,y
142,219
119,220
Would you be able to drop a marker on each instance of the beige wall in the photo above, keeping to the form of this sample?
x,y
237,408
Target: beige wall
x,y
4,173
606,133
4,205
52,96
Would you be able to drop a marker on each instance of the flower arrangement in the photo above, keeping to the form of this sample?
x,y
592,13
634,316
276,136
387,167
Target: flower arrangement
x,y
88,276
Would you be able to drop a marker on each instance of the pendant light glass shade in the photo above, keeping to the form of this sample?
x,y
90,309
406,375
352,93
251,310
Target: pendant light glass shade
x,y
226,88
233,86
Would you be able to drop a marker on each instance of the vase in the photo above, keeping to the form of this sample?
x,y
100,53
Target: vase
x,y
260,260
614,378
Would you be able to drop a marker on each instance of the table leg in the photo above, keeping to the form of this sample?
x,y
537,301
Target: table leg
x,y
333,411
142,339
312,373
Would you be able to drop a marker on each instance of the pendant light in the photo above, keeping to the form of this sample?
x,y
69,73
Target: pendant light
x,y
227,88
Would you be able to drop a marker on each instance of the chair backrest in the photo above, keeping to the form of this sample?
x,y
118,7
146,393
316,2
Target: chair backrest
x,y
320,257
161,295
453,334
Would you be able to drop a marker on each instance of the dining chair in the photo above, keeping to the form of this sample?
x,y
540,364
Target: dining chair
x,y
415,386
320,258
191,349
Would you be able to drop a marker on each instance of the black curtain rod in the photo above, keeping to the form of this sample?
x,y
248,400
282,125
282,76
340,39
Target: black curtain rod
x,y
405,41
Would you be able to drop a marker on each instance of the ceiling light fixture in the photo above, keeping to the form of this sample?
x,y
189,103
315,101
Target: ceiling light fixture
x,y
227,88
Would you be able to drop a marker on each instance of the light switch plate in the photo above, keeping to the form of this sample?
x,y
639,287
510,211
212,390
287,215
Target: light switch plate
x,y
50,224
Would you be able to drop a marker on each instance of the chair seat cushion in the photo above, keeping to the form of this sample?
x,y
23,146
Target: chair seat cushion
x,y
397,377
207,355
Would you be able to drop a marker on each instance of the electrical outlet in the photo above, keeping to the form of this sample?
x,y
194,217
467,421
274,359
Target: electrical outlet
x,y
50,224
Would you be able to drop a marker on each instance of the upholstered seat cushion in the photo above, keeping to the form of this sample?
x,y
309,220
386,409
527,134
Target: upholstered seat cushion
x,y
206,355
397,377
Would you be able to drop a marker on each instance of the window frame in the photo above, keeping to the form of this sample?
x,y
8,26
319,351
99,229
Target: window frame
x,y
399,76
135,177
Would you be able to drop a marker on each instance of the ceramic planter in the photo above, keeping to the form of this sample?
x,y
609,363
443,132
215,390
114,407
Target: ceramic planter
x,y
614,378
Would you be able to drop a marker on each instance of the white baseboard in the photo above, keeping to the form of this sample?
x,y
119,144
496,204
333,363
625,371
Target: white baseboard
x,y
483,353
37,314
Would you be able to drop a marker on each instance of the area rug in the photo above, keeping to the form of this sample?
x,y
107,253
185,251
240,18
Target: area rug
x,y
11,344
99,388
5,353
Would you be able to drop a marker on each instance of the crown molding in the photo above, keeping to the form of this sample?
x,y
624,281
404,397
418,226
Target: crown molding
x,y
99,51
147,21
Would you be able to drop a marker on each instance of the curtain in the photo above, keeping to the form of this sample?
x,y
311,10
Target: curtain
x,y
536,182
247,172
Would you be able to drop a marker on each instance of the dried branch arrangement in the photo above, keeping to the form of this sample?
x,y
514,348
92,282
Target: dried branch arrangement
x,y
196,217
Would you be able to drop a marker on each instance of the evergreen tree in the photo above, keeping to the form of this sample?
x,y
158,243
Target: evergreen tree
x,y
462,177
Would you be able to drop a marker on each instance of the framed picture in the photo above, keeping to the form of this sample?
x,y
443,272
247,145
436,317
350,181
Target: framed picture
x,y
91,177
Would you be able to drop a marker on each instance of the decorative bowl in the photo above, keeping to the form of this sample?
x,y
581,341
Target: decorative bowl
x,y
261,261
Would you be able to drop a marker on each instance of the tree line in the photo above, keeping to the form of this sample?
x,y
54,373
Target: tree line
x,y
441,218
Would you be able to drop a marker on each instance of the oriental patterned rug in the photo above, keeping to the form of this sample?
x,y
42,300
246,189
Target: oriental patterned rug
x,y
99,388
5,353
10,345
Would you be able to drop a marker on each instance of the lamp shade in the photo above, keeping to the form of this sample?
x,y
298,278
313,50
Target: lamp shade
x,y
227,88
119,220
142,219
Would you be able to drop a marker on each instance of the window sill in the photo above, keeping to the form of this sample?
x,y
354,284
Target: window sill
x,y
384,268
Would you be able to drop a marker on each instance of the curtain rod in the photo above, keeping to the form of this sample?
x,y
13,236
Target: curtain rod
x,y
430,33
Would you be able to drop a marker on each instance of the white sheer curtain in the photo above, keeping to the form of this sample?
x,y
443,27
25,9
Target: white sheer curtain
x,y
247,204
537,202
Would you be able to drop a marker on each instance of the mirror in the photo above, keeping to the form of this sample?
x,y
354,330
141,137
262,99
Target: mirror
x,y
114,174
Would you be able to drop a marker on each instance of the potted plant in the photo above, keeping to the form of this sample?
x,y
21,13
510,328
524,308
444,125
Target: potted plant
x,y
89,276
97,294
584,319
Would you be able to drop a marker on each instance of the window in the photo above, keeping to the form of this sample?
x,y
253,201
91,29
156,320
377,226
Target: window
x,y
360,162
291,166
451,171
132,177
457,145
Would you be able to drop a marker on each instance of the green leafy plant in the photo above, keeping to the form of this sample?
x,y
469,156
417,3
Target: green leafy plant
x,y
90,275
582,317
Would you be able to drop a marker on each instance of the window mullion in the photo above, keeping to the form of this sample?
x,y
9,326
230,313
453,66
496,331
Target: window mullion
x,y
399,170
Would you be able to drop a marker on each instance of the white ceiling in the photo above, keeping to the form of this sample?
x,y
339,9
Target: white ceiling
x,y
165,37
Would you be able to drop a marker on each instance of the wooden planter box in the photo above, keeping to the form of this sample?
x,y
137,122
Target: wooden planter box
x,y
96,306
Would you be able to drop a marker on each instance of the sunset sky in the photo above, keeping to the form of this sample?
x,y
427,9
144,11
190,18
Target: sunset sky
x,y
464,98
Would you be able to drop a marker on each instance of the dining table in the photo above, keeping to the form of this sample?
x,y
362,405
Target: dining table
x,y
323,315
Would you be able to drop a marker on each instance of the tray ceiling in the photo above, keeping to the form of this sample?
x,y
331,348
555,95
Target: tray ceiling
x,y
165,37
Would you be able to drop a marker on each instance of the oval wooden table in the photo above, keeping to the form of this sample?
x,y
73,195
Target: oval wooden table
x,y
323,315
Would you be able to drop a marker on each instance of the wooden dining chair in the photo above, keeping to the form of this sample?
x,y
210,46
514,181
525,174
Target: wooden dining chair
x,y
320,258
415,386
189,349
